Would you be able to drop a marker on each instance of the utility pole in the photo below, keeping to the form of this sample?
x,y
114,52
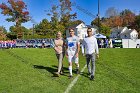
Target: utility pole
x,y
98,16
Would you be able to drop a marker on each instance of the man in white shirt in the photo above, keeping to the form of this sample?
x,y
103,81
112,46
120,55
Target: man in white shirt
x,y
91,50
73,48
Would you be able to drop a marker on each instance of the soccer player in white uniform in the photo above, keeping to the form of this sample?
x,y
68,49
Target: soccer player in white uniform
x,y
73,48
91,51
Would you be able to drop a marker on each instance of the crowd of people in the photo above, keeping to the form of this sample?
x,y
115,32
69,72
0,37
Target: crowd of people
x,y
104,43
8,44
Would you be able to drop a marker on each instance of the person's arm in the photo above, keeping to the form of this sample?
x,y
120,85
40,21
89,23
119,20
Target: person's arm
x,y
55,46
96,48
63,45
78,47
52,43
66,45
83,47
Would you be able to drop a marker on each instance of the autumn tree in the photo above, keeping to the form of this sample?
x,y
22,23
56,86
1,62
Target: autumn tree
x,y
128,17
113,18
3,33
113,21
104,28
16,10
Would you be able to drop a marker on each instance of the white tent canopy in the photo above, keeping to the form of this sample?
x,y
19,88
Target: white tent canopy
x,y
99,36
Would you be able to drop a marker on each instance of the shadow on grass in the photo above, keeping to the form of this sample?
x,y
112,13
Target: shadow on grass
x,y
49,69
52,69
84,74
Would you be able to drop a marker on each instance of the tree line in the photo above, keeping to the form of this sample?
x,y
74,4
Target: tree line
x,y
61,18
114,18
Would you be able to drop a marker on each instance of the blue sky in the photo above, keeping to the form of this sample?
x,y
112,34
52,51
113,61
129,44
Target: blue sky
x,y
86,9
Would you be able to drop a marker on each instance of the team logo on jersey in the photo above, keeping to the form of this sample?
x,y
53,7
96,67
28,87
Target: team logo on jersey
x,y
71,44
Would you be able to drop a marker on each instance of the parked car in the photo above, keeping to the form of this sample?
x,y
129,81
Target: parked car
x,y
117,43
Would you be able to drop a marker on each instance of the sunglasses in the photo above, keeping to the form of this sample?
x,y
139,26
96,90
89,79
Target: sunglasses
x,y
89,31
71,31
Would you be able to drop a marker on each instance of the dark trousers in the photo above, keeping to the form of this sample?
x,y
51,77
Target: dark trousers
x,y
90,58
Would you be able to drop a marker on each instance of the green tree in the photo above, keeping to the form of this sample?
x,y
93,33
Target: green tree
x,y
105,30
16,10
95,22
12,34
43,28
61,16
3,29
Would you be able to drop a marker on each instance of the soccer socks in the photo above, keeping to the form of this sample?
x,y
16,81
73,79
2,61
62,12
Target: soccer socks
x,y
77,66
70,70
77,69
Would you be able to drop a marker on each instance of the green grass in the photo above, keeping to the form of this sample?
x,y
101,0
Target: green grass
x,y
31,71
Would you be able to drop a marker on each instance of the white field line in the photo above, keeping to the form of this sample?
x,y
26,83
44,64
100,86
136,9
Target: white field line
x,y
74,81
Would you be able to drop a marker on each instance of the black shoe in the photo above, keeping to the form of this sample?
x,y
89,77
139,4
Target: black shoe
x,y
61,73
70,76
88,74
56,74
77,71
91,77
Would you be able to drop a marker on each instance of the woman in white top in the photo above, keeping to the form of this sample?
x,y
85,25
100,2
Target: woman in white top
x,y
59,49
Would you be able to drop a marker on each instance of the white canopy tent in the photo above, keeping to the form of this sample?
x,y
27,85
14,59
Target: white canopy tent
x,y
99,36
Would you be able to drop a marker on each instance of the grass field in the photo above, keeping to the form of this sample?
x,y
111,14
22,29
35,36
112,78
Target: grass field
x,y
31,71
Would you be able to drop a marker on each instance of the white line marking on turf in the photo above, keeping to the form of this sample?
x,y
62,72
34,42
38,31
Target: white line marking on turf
x,y
74,81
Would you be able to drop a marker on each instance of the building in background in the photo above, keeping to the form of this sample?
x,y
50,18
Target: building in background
x,y
81,30
123,33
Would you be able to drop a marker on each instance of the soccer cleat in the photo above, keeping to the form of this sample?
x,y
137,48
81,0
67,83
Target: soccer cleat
x,y
61,73
57,74
88,74
70,76
77,71
91,77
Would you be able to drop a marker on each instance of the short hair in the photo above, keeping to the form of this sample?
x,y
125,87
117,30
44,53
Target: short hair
x,y
71,29
59,32
89,28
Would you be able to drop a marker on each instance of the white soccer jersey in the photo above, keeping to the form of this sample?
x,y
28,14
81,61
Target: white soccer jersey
x,y
72,45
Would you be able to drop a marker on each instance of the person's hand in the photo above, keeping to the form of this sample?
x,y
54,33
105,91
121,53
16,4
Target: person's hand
x,y
83,54
66,55
97,56
76,54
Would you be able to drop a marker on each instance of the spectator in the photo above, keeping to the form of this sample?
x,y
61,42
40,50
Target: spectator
x,y
59,49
